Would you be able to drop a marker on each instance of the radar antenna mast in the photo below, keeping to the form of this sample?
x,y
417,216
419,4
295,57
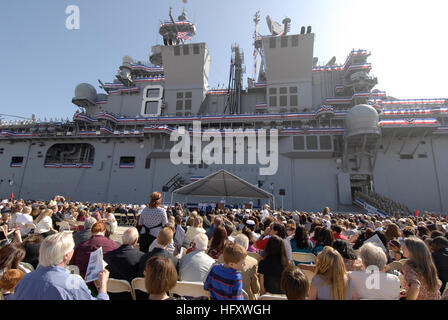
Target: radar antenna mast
x,y
237,70
256,36
175,26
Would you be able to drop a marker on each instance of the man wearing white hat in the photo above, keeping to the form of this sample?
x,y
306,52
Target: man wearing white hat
x,y
251,225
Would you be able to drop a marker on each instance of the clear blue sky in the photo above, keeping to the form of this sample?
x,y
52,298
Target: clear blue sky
x,y
42,61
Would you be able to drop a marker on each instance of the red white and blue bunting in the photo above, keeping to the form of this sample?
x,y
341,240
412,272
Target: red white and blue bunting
x,y
409,122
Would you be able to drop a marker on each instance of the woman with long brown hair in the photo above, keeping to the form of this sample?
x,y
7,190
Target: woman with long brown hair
x,y
271,267
151,221
420,273
331,281
217,242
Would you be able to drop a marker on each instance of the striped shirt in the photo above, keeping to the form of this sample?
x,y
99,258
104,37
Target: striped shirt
x,y
224,283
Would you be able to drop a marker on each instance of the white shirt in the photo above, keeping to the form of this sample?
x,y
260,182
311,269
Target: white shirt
x,y
44,225
195,266
265,214
22,220
288,249
376,286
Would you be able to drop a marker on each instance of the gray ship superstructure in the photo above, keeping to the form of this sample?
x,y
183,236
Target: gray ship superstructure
x,y
336,134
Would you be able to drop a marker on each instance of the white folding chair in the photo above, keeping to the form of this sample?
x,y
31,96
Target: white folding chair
x,y
119,286
189,289
270,296
303,257
138,284
27,266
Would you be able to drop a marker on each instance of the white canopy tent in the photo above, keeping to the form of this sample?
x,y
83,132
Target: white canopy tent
x,y
222,184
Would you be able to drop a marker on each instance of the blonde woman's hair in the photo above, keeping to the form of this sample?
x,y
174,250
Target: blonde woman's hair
x,y
44,213
422,261
330,266
197,222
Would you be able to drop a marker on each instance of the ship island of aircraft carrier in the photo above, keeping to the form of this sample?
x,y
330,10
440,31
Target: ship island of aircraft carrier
x,y
341,143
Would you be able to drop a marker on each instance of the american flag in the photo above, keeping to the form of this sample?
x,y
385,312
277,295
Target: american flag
x,y
184,35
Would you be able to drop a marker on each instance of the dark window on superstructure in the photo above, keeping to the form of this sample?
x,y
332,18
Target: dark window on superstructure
x,y
283,96
272,43
177,51
293,98
284,42
295,41
186,50
283,101
406,156
325,142
127,161
188,95
180,95
187,104
273,101
311,142
152,93
179,104
293,101
283,110
299,142
16,160
151,107
148,163
196,49
272,90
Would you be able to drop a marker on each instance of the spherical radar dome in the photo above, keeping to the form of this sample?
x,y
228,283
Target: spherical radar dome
x,y
362,119
85,91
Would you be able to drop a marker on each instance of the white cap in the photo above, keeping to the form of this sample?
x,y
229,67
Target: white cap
x,y
250,222
247,210
275,213
5,201
246,216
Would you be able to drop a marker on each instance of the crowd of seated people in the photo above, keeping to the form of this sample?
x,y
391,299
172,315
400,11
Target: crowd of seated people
x,y
253,253
385,204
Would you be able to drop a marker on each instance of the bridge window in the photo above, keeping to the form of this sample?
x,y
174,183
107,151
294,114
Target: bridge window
x,y
325,142
311,142
186,50
284,42
295,41
177,51
195,49
298,143
272,43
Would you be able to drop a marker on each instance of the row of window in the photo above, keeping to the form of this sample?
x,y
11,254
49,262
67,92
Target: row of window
x,y
283,97
284,42
184,103
312,143
185,49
